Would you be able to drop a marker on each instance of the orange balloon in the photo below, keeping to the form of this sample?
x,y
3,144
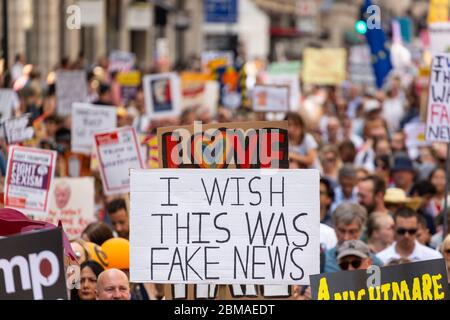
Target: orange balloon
x,y
97,254
118,252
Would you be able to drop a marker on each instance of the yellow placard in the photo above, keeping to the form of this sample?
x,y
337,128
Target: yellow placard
x,y
324,66
129,79
438,11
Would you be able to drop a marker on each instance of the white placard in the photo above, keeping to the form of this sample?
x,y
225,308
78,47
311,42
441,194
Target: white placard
x,y
162,95
87,120
224,226
121,61
92,12
72,202
139,17
118,151
18,129
71,87
28,179
439,37
271,99
9,101
438,119
290,80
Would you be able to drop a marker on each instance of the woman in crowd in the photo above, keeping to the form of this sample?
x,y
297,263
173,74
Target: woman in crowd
x,y
89,272
302,146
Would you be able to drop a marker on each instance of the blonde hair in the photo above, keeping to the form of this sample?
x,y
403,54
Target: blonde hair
x,y
445,244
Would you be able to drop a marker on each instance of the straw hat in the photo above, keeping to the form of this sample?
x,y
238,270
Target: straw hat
x,y
395,196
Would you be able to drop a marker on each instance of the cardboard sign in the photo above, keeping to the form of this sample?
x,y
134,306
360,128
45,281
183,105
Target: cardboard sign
x,y
87,120
32,267
162,95
121,61
71,87
438,119
413,281
117,152
250,145
271,99
18,130
28,179
224,226
324,66
9,101
72,203
150,145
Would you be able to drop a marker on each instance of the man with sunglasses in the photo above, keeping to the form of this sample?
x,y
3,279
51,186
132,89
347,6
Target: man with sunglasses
x,y
406,245
353,255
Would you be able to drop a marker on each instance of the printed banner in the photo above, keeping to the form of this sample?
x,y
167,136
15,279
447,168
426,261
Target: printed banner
x,y
72,203
28,179
271,99
162,95
117,152
324,66
32,267
413,281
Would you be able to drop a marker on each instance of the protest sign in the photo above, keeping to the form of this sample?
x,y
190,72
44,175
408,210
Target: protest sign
x,y
87,120
283,68
235,226
193,86
18,130
150,145
129,83
162,95
71,87
324,66
72,203
438,118
413,281
439,37
251,145
438,11
9,101
360,66
290,80
271,99
215,59
29,177
121,61
92,12
117,152
415,135
32,267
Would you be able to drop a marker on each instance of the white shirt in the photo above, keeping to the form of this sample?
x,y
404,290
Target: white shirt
x,y
420,253
328,238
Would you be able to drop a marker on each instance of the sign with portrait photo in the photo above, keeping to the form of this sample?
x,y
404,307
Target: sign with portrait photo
x,y
162,95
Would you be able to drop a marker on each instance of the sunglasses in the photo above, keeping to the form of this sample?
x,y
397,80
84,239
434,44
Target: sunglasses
x,y
345,265
402,231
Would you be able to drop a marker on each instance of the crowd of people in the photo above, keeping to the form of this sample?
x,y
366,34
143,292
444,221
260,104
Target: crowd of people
x,y
381,202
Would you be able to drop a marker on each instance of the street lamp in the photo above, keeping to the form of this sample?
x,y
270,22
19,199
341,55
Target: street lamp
x,y
5,52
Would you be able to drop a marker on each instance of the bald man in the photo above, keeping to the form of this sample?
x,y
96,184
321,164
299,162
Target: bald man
x,y
113,284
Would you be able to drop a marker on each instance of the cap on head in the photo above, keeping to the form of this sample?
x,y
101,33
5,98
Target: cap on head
x,y
355,248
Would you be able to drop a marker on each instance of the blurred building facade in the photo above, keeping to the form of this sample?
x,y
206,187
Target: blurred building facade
x,y
176,28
